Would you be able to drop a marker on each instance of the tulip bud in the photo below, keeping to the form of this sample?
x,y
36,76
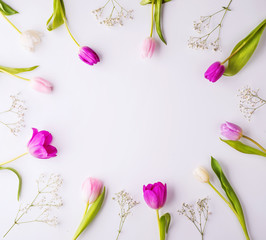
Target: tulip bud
x,y
88,56
41,85
29,39
148,47
201,174
91,189
231,131
155,195
214,72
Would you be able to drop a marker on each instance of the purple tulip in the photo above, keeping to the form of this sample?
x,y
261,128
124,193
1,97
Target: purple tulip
x,y
88,56
155,195
231,131
214,72
39,145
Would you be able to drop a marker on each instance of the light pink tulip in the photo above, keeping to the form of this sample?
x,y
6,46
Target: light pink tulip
x,y
148,47
91,189
41,85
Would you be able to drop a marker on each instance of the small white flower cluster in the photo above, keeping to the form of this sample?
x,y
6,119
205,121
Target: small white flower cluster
x,y
41,206
126,203
117,10
16,109
199,215
250,101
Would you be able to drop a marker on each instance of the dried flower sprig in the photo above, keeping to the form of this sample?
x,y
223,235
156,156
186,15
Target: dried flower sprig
x,y
197,215
249,101
47,198
126,203
202,25
117,15
17,109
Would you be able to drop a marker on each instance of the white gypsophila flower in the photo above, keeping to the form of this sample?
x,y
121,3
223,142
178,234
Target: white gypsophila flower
x,y
30,39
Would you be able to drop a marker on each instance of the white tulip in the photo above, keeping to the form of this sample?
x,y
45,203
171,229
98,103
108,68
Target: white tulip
x,y
29,39
201,174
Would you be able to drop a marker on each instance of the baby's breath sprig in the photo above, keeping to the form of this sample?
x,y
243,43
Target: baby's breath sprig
x,y
250,101
202,25
47,198
116,16
17,109
197,215
126,203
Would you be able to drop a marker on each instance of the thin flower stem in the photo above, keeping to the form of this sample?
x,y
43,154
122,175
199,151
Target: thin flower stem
x,y
68,30
1,164
226,9
10,22
158,219
152,7
14,75
256,143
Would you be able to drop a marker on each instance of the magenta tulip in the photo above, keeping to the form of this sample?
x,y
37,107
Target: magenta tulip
x,y
155,195
91,189
148,47
231,131
214,72
39,145
88,56
41,85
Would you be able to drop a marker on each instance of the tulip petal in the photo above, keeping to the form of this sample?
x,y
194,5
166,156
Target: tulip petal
x,y
160,191
38,139
35,131
38,151
51,151
151,199
48,137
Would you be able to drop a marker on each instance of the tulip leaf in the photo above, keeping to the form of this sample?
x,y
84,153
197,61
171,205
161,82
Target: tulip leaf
x,y
164,225
16,70
230,193
6,9
157,18
145,2
19,178
244,50
58,16
90,214
241,147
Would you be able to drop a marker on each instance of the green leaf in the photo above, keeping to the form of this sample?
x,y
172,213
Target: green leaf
x,y
90,214
164,225
19,178
157,18
58,16
145,2
241,147
6,9
16,70
229,192
244,50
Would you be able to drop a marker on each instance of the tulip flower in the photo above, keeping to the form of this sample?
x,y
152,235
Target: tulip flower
x,y
155,196
214,72
234,133
88,56
93,196
201,174
148,47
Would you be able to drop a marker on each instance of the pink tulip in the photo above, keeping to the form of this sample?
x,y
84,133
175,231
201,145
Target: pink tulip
x,y
91,189
41,85
39,145
148,47
231,131
214,72
88,56
155,195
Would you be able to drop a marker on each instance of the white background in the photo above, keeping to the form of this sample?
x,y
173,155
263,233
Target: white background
x,y
131,122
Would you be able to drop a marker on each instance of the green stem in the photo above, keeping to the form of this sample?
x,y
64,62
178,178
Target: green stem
x,y
68,30
152,7
226,9
242,223
86,209
256,143
1,164
14,75
10,22
158,220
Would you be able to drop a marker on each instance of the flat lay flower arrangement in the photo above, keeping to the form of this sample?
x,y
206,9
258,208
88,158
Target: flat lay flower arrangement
x,y
155,195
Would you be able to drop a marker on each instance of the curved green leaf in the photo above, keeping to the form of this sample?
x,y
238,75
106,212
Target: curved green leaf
x,y
19,178
157,18
229,192
164,225
17,70
58,16
145,2
90,215
6,9
241,147
244,50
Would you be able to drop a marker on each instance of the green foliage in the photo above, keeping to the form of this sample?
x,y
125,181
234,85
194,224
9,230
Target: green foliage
x,y
58,16
6,9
